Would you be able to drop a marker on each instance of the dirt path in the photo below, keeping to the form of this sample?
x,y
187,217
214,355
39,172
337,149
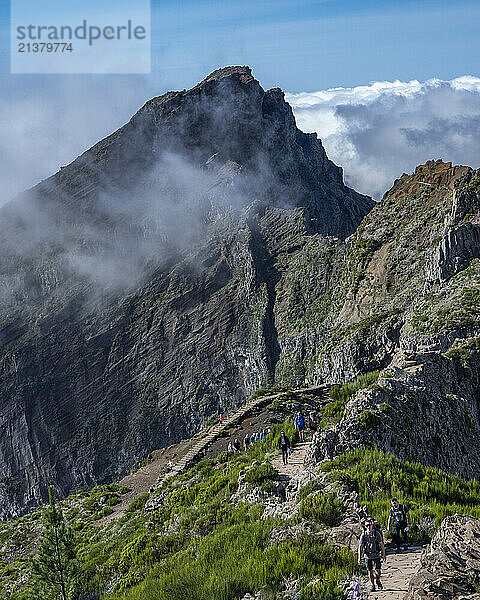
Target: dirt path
x,y
171,461
396,574
295,462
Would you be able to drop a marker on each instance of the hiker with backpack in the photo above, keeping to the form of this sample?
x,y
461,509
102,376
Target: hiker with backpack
x,y
300,425
284,445
312,423
372,548
399,518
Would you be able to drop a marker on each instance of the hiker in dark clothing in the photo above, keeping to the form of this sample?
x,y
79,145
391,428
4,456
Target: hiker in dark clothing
x,y
246,442
284,445
236,445
399,518
372,547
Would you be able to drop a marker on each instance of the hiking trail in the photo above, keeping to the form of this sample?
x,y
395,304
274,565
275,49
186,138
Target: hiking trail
x,y
185,454
398,568
295,461
396,573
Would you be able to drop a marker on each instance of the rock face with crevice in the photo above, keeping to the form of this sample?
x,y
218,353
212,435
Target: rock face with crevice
x,y
139,286
450,565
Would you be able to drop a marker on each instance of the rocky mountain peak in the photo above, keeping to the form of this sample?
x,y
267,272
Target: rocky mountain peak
x,y
244,74
231,116
434,174
228,115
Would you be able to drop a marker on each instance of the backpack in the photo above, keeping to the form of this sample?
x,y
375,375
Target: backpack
x,y
399,515
371,544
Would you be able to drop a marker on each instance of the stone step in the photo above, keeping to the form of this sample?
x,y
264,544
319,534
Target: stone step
x,y
217,429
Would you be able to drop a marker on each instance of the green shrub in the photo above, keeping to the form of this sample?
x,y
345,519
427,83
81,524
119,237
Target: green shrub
x,y
333,412
464,351
322,590
368,418
224,456
276,404
260,392
268,486
324,508
138,503
259,473
426,491
104,512
308,488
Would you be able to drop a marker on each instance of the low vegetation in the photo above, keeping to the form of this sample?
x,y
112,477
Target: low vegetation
x,y
464,351
340,395
430,494
199,544
323,508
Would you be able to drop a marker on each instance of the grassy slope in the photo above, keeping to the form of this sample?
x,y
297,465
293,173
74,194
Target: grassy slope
x,y
197,545
200,545
430,493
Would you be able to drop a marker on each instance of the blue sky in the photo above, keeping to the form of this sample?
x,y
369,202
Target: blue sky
x,y
298,45
307,45
303,45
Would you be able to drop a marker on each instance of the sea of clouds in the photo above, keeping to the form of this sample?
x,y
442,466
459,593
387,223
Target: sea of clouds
x,y
378,131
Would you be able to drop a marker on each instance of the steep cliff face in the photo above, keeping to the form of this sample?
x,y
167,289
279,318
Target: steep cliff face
x,y
139,285
412,310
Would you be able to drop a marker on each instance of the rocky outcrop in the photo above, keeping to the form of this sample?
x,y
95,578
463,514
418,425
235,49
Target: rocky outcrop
x,y
424,410
450,565
461,238
420,331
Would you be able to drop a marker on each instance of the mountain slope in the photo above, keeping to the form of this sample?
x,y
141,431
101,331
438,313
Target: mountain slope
x,y
411,308
138,286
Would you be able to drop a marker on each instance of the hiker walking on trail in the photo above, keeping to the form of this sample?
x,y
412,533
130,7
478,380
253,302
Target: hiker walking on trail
x,y
284,445
246,442
372,547
399,518
312,422
300,425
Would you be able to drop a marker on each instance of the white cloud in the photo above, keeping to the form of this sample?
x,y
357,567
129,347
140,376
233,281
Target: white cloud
x,y
377,132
